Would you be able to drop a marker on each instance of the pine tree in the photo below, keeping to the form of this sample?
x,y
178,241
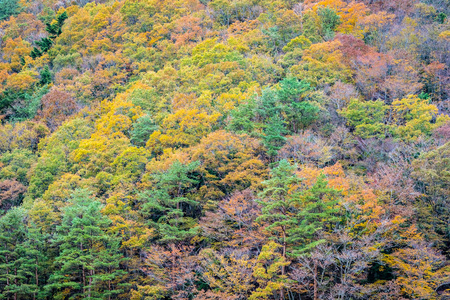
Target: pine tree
x,y
8,8
274,135
268,105
61,18
316,209
277,200
45,44
142,130
89,258
37,259
16,258
295,215
299,112
46,76
168,206
241,120
35,53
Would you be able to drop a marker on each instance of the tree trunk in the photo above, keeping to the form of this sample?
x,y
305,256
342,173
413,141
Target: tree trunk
x,y
7,270
315,280
36,277
173,271
15,282
91,273
283,267
82,271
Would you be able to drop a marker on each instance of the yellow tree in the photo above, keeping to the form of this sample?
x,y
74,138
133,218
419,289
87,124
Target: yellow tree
x,y
413,117
322,64
267,272
419,268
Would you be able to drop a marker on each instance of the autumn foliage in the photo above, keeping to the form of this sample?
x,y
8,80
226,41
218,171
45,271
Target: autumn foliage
x,y
224,149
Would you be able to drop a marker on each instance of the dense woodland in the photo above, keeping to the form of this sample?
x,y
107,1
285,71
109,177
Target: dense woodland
x,y
224,149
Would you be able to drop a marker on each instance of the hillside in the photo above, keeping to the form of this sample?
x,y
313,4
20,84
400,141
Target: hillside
x,y
224,149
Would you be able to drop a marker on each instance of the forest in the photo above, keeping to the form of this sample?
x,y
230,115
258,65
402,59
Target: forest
x,y
225,149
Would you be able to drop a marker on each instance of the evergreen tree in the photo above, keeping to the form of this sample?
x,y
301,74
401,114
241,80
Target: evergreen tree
x,y
37,260
277,199
295,215
330,21
168,206
316,210
274,135
290,90
46,76
61,18
8,8
54,28
268,105
299,112
35,53
45,44
89,258
241,120
17,264
142,130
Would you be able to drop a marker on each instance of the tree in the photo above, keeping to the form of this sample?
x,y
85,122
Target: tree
x,y
16,164
8,8
274,135
317,211
11,194
229,271
330,21
294,215
413,117
54,29
266,271
183,128
366,117
46,76
430,170
57,106
418,267
299,112
167,205
142,130
87,265
241,118
16,259
322,64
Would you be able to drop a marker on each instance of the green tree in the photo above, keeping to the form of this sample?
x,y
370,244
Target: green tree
x,y
268,105
273,137
316,210
329,21
46,76
168,205
366,117
277,199
17,263
242,118
36,259
295,214
299,113
26,107
88,262
8,8
142,130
